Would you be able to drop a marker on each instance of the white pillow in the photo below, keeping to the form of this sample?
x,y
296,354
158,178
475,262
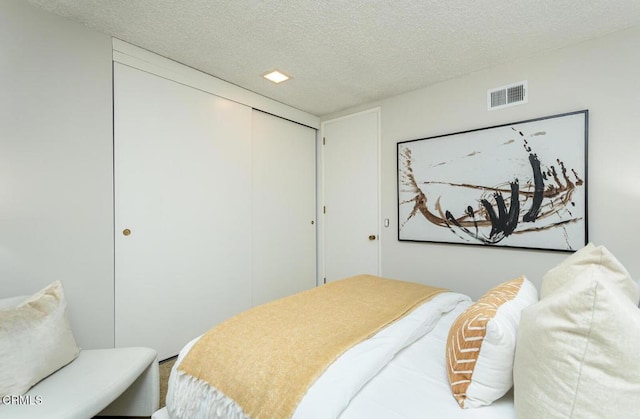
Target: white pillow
x,y
35,340
596,259
481,344
577,353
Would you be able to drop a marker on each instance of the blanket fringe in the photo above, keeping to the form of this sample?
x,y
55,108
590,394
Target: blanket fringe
x,y
192,398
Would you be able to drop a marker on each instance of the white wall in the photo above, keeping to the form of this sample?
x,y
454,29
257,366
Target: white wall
x,y
600,75
56,189
56,194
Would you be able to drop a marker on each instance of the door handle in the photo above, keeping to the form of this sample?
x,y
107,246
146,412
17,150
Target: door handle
x,y
372,237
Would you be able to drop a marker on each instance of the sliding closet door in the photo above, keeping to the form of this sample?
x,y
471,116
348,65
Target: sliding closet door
x,y
183,210
284,202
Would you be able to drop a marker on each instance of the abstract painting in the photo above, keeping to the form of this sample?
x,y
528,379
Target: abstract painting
x,y
522,184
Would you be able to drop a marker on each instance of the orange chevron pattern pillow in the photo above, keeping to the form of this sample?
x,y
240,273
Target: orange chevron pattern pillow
x,y
481,344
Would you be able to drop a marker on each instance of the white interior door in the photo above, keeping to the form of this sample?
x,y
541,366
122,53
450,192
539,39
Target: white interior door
x,y
183,196
284,207
351,204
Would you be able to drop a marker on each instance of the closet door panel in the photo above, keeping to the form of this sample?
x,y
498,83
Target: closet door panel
x,y
284,205
183,210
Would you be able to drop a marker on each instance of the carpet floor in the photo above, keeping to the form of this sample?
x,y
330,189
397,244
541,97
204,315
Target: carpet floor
x,y
165,370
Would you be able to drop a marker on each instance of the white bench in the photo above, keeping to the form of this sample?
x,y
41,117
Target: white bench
x,y
109,382
104,382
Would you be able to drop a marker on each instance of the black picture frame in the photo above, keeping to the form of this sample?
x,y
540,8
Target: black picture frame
x,y
521,184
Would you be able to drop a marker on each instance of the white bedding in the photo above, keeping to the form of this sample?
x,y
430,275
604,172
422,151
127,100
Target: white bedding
x,y
415,385
398,373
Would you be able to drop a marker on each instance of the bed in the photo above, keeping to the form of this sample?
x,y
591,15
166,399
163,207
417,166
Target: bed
x,y
407,368
398,372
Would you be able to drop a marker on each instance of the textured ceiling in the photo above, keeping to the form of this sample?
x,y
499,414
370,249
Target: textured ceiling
x,y
343,53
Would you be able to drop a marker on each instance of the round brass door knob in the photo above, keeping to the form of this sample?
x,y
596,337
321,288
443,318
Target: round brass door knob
x,y
126,231
372,237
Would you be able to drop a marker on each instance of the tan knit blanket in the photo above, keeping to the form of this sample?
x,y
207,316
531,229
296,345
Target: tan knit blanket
x,y
266,358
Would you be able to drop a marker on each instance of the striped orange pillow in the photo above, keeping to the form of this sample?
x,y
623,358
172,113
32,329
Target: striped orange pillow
x,y
481,343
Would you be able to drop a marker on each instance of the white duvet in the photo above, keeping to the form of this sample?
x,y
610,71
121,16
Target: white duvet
x,y
397,373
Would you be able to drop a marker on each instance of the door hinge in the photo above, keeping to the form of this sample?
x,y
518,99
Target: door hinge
x,y
324,140
324,280
324,209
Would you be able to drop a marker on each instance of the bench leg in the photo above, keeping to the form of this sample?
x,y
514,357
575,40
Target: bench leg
x,y
142,398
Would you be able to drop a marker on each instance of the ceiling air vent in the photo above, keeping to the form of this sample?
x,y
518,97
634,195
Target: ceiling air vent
x,y
510,95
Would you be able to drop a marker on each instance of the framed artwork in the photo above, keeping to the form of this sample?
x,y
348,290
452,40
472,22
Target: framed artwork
x,y
522,184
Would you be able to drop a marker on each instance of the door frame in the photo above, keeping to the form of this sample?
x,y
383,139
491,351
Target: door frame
x,y
321,189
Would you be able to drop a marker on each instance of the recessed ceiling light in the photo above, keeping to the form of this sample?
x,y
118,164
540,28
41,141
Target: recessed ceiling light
x,y
276,76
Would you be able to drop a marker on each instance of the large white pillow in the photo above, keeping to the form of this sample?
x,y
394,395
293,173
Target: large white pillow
x,y
577,352
594,261
481,344
35,340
